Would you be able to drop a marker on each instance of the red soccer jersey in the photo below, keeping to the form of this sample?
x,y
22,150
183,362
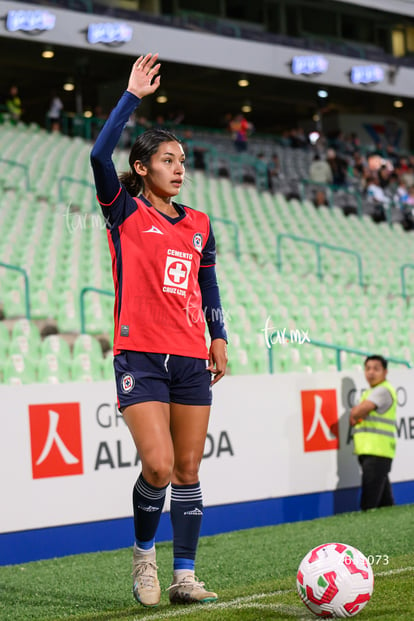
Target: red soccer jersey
x,y
155,265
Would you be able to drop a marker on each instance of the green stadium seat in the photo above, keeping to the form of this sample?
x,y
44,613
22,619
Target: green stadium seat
x,y
5,337
14,303
57,345
19,370
86,368
24,345
53,370
108,367
41,305
27,328
87,344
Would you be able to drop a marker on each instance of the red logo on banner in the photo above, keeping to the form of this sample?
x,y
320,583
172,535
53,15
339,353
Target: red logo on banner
x,y
55,438
320,420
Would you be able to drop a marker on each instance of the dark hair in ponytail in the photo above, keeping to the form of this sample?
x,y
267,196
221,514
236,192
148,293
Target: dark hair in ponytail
x,y
143,149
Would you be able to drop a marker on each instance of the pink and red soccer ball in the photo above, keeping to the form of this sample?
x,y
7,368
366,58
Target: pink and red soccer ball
x,y
335,580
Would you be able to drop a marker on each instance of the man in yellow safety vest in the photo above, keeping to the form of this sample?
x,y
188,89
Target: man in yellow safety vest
x,y
374,422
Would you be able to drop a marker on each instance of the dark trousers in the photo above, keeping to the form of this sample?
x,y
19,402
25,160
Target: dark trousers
x,y
376,487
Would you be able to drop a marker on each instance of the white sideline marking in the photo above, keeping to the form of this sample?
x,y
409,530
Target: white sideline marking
x,y
250,601
390,572
234,603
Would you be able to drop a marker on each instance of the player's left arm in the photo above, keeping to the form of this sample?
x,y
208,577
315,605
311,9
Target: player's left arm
x,y
214,315
217,361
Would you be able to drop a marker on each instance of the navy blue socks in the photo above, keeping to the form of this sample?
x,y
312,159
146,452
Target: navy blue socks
x,y
186,516
148,502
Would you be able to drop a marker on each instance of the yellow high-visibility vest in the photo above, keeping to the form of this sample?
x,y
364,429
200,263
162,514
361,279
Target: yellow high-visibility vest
x,y
375,435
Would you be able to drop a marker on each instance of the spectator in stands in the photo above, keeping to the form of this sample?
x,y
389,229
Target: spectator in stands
x,y
378,198
195,153
240,128
403,165
298,139
14,104
359,165
284,139
397,189
384,176
338,166
164,370
339,142
320,198
54,112
352,144
374,421
261,172
408,175
274,172
392,155
320,171
409,198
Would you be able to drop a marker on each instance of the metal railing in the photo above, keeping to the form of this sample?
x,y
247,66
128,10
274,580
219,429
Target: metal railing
x,y
337,348
236,234
403,269
23,272
24,167
83,292
72,180
317,245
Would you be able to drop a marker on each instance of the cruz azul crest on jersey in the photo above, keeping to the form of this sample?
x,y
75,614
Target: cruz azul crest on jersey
x,y
198,241
128,382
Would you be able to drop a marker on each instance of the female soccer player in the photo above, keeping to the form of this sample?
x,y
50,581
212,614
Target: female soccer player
x,y
163,257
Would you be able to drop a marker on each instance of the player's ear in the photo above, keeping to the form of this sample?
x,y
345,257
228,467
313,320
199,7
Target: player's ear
x,y
140,169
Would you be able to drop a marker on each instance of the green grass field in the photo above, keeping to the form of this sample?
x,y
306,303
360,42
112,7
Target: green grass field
x,y
254,572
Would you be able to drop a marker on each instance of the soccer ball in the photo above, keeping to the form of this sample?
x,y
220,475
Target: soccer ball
x,y
335,580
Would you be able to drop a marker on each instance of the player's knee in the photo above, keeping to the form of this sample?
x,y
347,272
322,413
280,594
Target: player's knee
x,y
158,474
186,472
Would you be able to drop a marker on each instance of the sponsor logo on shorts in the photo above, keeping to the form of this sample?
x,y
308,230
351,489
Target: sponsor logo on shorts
x,y
198,241
127,382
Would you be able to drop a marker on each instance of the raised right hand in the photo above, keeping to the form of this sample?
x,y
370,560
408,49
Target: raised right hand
x,y
142,80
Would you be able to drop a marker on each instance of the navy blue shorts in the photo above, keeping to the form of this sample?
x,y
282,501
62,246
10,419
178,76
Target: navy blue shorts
x,y
142,376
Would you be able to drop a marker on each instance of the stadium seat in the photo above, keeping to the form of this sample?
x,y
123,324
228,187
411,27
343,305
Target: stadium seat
x,y
4,339
24,345
27,328
108,367
87,344
57,345
53,370
86,368
19,370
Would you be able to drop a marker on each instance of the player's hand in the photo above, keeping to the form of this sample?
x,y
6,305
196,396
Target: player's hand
x,y
217,359
143,79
